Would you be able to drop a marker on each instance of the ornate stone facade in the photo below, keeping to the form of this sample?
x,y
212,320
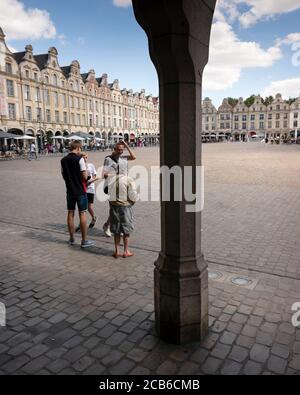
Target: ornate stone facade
x,y
240,122
40,98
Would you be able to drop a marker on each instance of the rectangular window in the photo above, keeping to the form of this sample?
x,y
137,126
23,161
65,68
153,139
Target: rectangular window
x,y
285,124
244,126
11,111
8,68
97,120
27,73
78,119
270,124
295,115
91,105
27,92
222,117
252,126
65,118
28,113
270,116
91,120
47,97
57,116
64,100
277,116
35,76
37,94
71,101
277,124
244,118
262,117
295,124
48,116
84,122
120,111
236,126
73,119
39,114
227,125
236,118
10,88
56,99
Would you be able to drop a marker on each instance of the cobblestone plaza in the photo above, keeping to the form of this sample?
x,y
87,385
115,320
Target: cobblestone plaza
x,y
82,312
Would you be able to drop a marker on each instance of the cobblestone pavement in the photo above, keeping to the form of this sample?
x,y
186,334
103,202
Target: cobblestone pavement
x,y
82,312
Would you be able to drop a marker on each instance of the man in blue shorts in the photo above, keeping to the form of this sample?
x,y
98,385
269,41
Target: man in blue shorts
x,y
74,172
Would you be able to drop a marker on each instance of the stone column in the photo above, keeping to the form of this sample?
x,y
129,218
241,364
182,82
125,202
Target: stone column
x,y
178,32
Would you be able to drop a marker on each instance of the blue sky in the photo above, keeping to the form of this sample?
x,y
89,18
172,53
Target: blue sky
x,y
250,46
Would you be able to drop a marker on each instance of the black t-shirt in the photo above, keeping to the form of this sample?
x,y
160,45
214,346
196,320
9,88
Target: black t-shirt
x,y
71,172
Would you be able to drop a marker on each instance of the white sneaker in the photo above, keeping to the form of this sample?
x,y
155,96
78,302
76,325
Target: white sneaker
x,y
106,230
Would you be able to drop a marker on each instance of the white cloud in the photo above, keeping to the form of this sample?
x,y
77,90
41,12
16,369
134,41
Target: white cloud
x,y
229,56
289,39
122,3
19,22
257,10
288,88
266,9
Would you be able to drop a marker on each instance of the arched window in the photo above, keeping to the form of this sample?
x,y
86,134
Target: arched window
x,y
55,79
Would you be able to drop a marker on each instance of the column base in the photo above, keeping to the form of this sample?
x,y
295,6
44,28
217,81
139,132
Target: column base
x,y
181,299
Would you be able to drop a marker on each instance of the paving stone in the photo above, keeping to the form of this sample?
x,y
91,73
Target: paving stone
x,y
211,365
75,354
231,368
116,339
220,351
238,354
100,351
140,371
295,363
252,368
137,354
95,370
15,364
122,367
259,353
167,368
277,365
83,363
36,365
58,365
280,350
228,338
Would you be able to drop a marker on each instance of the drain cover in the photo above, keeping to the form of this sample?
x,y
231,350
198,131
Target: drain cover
x,y
214,275
242,281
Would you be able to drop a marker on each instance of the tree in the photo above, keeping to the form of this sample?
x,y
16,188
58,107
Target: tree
x,y
232,101
268,100
250,100
291,100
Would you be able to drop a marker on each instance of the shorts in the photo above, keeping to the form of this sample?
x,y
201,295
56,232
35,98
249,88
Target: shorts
x,y
90,198
121,219
81,202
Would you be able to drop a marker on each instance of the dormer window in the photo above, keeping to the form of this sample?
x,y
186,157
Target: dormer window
x,y
55,79
26,73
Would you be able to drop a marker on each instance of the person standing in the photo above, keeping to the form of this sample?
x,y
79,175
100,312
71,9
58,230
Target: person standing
x,y
32,151
117,163
92,173
122,196
74,172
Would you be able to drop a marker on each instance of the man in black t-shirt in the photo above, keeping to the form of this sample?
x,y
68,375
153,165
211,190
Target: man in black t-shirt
x,y
74,172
